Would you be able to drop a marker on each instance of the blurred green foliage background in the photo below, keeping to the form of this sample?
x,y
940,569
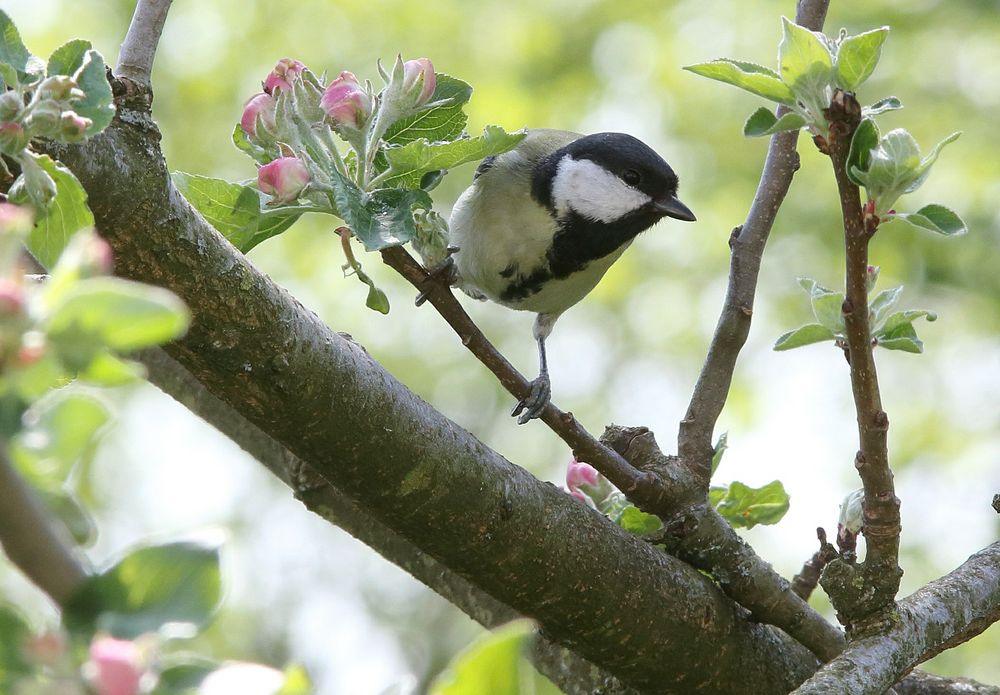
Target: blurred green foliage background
x,y
631,352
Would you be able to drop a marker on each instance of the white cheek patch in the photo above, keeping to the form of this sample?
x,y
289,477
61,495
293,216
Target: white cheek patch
x,y
590,190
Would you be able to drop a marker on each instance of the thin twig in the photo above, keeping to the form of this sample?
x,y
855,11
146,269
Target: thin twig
x,y
694,440
643,489
807,579
135,60
33,540
881,506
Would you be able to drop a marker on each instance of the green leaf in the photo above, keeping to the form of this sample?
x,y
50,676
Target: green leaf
x,y
934,217
14,633
858,56
811,286
115,313
68,58
866,139
381,218
720,450
898,333
763,122
107,370
237,212
636,521
73,516
902,337
183,673
924,170
753,78
445,122
880,306
408,162
493,664
805,62
98,104
59,430
804,335
12,49
895,321
881,106
745,507
65,215
828,309
149,588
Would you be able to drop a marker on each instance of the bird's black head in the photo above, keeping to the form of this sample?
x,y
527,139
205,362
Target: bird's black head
x,y
607,177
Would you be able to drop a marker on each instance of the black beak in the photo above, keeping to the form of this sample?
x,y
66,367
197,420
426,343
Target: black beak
x,y
671,207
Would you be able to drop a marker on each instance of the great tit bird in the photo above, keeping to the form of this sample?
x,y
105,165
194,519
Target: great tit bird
x,y
541,224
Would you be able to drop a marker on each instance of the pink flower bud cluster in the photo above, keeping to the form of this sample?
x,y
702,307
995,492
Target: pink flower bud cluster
x,y
581,475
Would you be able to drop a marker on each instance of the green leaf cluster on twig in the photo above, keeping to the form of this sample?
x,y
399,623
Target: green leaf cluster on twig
x,y
890,330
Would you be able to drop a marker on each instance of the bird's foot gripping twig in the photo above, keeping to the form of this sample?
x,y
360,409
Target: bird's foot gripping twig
x,y
444,272
532,405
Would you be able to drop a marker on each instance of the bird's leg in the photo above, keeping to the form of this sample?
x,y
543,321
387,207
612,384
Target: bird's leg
x,y
532,405
444,272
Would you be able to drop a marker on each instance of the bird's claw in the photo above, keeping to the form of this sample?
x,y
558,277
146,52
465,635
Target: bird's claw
x,y
444,272
532,405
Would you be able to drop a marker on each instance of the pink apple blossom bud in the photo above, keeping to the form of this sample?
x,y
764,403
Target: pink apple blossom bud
x,y
578,474
115,667
283,75
284,178
13,138
346,101
419,81
11,298
259,106
73,127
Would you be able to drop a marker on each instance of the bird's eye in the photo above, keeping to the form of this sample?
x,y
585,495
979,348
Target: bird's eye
x,y
631,177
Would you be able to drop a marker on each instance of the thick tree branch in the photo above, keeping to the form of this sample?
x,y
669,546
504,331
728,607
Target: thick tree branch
x,y
570,672
959,603
636,612
880,571
694,440
31,538
135,60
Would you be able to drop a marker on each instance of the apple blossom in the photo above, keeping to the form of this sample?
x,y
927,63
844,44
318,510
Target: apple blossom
x,y
284,74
